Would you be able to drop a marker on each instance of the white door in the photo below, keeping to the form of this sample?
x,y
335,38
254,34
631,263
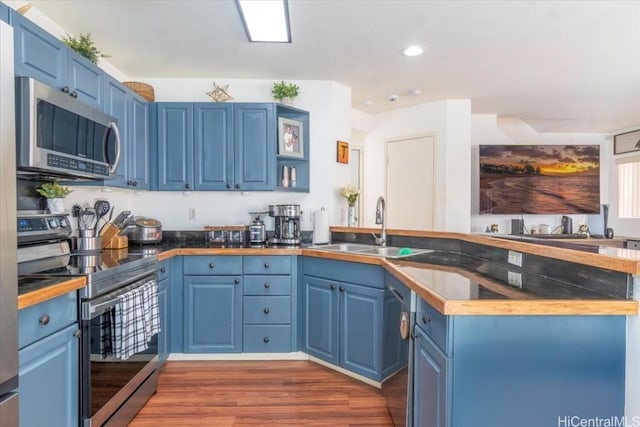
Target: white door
x,y
410,183
356,178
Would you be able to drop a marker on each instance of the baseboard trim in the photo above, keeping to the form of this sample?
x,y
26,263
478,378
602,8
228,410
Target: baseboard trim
x,y
298,355
350,374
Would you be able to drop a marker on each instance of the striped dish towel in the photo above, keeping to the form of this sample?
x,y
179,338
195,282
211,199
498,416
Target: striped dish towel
x,y
136,320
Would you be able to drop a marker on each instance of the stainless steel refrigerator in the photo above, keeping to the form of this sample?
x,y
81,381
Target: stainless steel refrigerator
x,y
8,244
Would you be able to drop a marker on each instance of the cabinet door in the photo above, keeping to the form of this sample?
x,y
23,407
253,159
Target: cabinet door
x,y
138,144
85,80
213,146
37,53
430,383
212,314
115,104
175,146
164,292
48,379
4,13
320,318
255,143
361,326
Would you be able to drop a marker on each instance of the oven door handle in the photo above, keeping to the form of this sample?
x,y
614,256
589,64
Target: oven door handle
x,y
97,306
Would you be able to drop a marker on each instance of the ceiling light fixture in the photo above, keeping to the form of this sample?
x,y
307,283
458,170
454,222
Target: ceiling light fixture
x,y
367,103
415,92
414,50
265,20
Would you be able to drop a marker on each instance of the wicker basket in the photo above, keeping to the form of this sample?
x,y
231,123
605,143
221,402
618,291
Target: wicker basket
x,y
142,89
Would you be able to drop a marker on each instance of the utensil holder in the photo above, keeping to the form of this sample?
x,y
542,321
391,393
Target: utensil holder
x,y
88,244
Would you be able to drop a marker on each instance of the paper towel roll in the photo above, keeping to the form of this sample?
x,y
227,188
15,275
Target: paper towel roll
x,y
321,232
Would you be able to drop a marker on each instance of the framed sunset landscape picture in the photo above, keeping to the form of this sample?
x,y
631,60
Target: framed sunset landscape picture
x,y
539,179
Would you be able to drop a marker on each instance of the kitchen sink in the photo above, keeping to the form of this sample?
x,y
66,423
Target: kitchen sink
x,y
370,250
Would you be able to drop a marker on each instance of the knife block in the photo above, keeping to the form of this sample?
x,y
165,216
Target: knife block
x,y
111,239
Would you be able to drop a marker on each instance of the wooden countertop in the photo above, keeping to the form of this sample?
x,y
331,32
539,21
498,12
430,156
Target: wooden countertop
x,y
41,290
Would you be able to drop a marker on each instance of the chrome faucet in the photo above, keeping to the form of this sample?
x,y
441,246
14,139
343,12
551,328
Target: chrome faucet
x,y
380,207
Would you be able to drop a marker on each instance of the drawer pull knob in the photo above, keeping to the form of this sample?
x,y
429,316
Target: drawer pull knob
x,y
265,339
341,288
74,94
425,319
267,286
212,265
266,265
65,89
236,281
333,287
266,310
163,270
44,319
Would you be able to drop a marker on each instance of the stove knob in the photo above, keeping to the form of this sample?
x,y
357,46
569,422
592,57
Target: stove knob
x,y
53,223
63,223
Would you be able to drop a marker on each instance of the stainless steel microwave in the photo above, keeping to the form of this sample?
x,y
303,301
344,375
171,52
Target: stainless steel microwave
x,y
59,136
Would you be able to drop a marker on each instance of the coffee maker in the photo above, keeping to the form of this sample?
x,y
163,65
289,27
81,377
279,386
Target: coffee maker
x,y
287,224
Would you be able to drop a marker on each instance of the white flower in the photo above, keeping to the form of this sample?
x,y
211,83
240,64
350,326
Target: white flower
x,y
351,194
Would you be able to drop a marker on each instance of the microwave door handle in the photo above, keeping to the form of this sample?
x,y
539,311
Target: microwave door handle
x,y
113,126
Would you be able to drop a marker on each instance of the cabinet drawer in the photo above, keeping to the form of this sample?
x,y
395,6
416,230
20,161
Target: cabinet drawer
x,y
267,264
267,285
266,338
212,265
38,321
262,310
435,324
162,271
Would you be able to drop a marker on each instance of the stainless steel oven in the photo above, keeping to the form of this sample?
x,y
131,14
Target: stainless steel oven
x,y
398,388
113,388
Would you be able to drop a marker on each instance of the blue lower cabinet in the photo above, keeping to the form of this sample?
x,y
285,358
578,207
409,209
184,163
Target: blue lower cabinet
x,y
344,325
266,338
361,325
528,371
320,320
48,389
431,379
212,314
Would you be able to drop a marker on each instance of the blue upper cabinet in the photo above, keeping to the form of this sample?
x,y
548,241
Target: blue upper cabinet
x,y
204,146
43,57
175,146
4,12
255,143
38,54
213,138
138,143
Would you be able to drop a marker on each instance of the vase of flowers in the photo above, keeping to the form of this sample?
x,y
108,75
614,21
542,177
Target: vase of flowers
x,y
55,194
351,193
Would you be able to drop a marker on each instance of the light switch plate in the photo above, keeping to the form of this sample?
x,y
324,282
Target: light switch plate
x,y
515,258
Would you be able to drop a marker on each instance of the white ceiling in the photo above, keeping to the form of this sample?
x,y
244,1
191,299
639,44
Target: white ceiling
x,y
560,65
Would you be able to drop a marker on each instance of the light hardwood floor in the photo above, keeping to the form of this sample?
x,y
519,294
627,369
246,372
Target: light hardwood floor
x,y
260,393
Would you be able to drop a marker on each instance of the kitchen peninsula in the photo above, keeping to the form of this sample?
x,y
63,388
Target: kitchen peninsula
x,y
546,344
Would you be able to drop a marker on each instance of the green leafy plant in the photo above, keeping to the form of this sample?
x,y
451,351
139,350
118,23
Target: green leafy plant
x,y
53,190
84,46
284,90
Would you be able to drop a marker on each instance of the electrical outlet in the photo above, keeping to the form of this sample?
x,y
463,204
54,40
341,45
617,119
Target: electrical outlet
x,y
192,213
514,279
515,258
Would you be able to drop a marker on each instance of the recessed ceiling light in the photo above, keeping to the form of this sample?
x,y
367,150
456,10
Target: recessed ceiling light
x,y
415,92
414,50
367,103
265,20
393,97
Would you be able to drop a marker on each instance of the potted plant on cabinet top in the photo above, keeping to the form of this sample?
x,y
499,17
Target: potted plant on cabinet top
x,y
55,194
284,92
84,46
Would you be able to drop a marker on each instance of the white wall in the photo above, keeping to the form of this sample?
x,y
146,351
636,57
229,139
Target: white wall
x,y
329,106
449,122
488,129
